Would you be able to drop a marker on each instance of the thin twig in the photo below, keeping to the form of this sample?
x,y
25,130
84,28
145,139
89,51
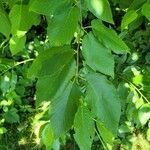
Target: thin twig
x,y
87,27
3,43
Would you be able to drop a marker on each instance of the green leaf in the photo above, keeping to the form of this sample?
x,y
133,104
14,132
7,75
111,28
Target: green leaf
x,y
148,134
144,114
128,18
7,62
11,116
63,110
146,10
84,128
147,58
49,7
136,4
98,57
62,27
47,136
104,101
2,130
101,9
53,75
17,43
124,4
4,84
8,82
105,133
21,19
50,87
5,26
124,128
9,2
47,62
109,38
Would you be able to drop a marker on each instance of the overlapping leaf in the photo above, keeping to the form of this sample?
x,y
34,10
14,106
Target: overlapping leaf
x,y
17,43
146,10
63,110
84,128
136,4
128,18
109,38
49,7
98,57
50,87
107,136
5,25
53,75
48,136
21,19
144,113
101,9
47,62
102,96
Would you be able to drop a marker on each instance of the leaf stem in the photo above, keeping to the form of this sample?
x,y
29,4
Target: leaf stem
x,y
3,43
77,59
105,147
134,86
78,42
82,78
87,27
15,65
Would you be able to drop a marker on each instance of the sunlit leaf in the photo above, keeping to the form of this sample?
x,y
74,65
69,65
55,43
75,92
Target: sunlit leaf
x,y
105,133
23,20
129,17
17,44
101,9
47,136
144,114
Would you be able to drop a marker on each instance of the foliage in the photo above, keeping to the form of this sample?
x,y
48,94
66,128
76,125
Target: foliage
x,y
75,71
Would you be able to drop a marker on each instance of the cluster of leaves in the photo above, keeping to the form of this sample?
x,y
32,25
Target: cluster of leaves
x,y
16,98
91,68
